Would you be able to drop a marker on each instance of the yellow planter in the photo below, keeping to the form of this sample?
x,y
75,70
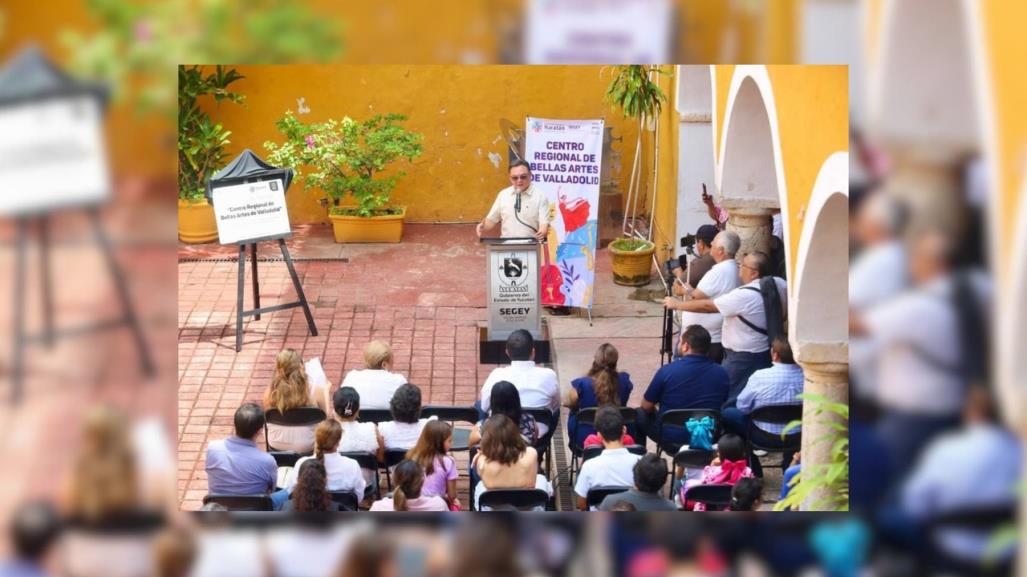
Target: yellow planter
x,y
196,224
388,228
632,268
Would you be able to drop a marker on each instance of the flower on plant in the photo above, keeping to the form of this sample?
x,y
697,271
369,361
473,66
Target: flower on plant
x,y
310,141
142,30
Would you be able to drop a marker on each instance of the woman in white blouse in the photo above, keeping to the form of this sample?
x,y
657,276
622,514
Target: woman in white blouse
x,y
405,427
343,473
376,383
357,437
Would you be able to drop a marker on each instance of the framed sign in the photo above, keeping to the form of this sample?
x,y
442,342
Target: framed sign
x,y
513,290
250,212
52,155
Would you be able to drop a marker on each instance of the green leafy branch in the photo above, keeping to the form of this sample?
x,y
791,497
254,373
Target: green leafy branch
x,y
832,478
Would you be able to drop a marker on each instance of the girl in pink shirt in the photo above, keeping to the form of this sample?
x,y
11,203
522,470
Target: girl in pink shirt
x,y
432,453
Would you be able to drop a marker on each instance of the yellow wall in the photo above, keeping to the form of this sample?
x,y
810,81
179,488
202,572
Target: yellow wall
x,y
1007,51
813,123
457,108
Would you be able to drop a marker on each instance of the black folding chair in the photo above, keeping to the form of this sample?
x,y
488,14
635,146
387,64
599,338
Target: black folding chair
x,y
241,502
758,439
983,520
393,457
596,450
544,444
518,499
596,495
374,416
691,459
368,461
298,417
461,435
715,497
347,500
679,418
284,460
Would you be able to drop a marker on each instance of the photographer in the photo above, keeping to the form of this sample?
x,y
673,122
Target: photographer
x,y
703,241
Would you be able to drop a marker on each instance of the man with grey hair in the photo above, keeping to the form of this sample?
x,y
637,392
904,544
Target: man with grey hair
x,y
720,279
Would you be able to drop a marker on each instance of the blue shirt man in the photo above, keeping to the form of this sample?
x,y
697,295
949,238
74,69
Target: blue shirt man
x,y
236,466
692,382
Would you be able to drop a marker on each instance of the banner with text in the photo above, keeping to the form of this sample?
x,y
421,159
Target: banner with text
x,y
566,158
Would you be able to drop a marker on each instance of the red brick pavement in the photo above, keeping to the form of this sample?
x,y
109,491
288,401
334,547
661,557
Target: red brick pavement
x,y
423,296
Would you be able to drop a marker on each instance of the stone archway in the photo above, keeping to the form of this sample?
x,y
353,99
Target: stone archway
x,y
750,173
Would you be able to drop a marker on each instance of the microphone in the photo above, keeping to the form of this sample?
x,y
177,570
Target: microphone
x,y
517,203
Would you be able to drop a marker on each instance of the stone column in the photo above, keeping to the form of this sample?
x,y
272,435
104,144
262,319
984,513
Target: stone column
x,y
753,225
931,185
826,371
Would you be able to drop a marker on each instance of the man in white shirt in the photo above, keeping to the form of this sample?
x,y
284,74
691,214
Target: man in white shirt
x,y
615,466
720,279
520,209
537,386
745,332
877,275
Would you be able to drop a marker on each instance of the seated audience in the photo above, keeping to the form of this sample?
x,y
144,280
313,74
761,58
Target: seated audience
x,y
289,389
507,401
409,479
729,466
746,495
692,382
602,386
649,474
611,468
236,466
432,454
976,467
505,461
778,385
537,386
344,474
375,383
405,427
311,491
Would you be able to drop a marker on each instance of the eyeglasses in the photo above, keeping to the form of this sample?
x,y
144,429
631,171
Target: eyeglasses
x,y
520,177
753,269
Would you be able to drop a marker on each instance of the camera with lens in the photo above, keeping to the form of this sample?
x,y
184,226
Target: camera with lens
x,y
688,243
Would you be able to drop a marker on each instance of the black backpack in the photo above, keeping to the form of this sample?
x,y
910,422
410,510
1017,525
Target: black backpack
x,y
772,307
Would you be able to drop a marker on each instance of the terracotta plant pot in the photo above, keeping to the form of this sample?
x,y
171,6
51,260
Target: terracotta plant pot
x,y
634,267
196,224
387,228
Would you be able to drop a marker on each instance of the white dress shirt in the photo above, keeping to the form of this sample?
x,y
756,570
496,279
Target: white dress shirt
x,y
738,337
375,386
401,435
918,335
612,467
534,212
537,386
721,279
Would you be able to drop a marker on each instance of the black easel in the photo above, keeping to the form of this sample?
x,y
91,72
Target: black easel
x,y
257,311
50,333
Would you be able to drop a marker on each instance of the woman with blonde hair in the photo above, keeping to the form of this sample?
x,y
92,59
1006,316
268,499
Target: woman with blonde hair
x,y
376,383
105,478
290,389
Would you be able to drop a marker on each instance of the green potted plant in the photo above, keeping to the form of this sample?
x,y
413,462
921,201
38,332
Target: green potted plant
x,y
201,147
350,159
636,93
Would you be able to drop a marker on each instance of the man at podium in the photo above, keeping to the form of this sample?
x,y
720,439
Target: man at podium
x,y
520,209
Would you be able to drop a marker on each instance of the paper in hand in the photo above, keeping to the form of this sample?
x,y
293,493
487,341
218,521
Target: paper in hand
x,y
315,373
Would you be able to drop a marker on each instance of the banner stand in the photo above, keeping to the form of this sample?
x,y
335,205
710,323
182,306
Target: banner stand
x,y
256,311
50,333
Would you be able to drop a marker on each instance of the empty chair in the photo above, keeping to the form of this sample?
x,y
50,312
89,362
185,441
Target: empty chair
x,y
454,415
689,459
